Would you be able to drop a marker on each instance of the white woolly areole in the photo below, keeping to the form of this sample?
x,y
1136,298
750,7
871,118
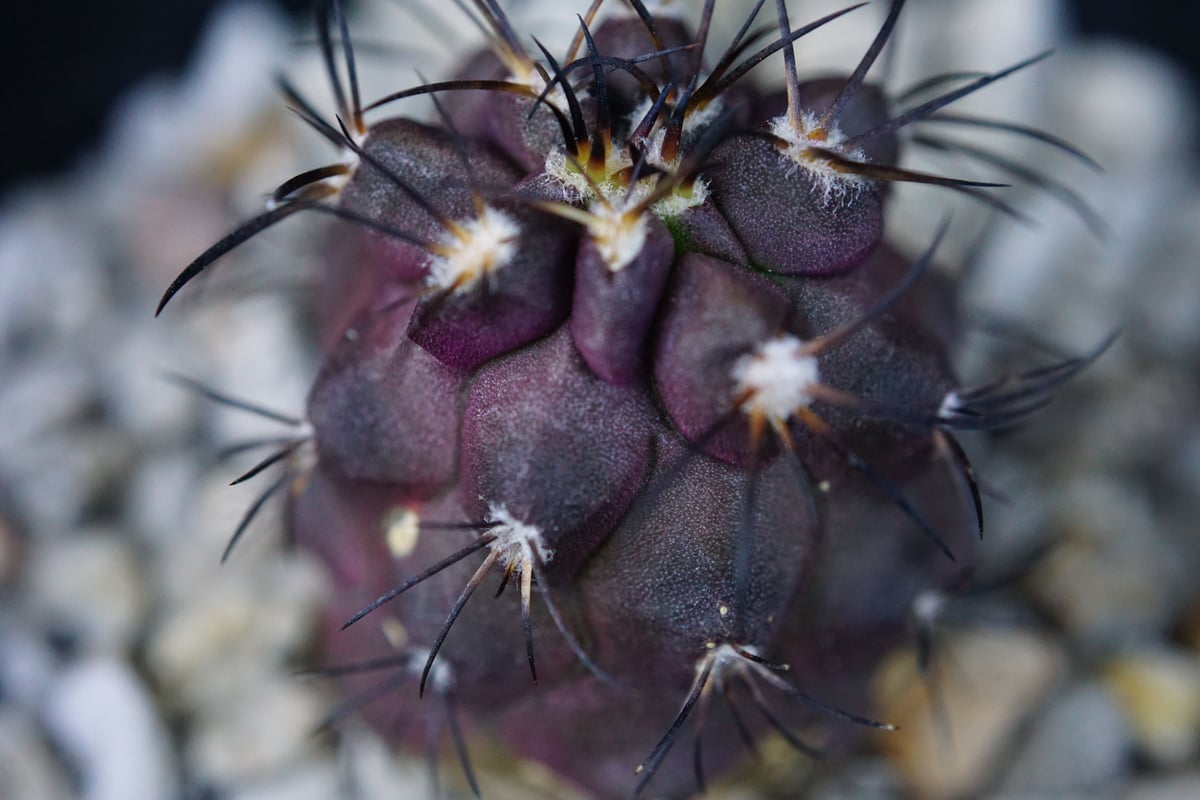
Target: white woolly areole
x,y
517,542
679,201
619,237
834,186
928,605
727,661
951,406
777,376
693,121
618,194
559,167
441,674
480,246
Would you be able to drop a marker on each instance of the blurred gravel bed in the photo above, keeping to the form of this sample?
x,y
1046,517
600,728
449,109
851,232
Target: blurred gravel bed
x,y
133,665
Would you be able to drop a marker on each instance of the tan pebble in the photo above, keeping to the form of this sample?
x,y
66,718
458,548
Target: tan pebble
x,y
256,731
984,685
402,529
1160,693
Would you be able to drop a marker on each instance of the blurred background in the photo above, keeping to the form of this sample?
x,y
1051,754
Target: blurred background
x,y
133,666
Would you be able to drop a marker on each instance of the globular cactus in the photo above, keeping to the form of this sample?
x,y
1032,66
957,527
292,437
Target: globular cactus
x,y
620,330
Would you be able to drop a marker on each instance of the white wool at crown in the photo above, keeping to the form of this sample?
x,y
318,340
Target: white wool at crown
x,y
933,36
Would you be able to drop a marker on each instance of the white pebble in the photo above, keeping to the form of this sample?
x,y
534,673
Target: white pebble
x,y
103,718
1080,746
256,732
90,587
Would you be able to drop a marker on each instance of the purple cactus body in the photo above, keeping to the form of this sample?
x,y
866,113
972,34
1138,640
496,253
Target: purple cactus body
x,y
426,160
370,388
828,234
556,446
612,313
521,301
715,313
634,359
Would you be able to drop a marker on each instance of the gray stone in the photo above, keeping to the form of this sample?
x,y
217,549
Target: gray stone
x,y
27,769
1176,787
27,665
1114,579
861,780
1079,747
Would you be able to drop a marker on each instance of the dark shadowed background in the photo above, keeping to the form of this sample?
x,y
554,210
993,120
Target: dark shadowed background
x,y
68,61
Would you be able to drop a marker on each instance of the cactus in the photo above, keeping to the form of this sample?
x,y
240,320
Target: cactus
x,y
621,330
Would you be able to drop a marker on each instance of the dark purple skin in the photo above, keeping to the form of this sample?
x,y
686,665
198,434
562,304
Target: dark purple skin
x,y
781,217
357,291
653,597
558,447
613,311
671,534
715,312
668,568
469,110
524,139
518,303
899,360
374,382
704,230
484,676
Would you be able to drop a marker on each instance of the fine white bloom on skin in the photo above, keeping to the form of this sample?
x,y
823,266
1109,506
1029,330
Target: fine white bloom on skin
x,y
479,247
777,376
